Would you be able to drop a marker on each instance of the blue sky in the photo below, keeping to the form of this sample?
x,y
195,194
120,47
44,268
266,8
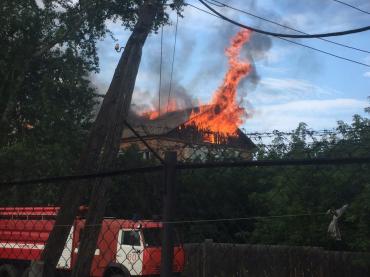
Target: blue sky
x,y
294,84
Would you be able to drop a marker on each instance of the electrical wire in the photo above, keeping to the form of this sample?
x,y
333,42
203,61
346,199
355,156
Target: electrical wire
x,y
325,52
160,74
220,4
215,3
173,62
215,220
294,42
185,166
241,218
351,6
158,157
332,34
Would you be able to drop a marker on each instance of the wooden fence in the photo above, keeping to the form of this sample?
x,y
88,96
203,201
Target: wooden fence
x,y
230,260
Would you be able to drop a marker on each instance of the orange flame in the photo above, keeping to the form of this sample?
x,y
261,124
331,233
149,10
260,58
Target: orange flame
x,y
153,114
224,115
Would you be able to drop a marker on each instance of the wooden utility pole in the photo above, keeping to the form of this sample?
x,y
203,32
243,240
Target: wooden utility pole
x,y
100,152
170,160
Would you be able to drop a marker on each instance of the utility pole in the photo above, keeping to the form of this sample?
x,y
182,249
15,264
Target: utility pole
x,y
100,152
170,160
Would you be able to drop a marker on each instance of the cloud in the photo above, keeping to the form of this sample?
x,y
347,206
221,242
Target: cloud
x,y
318,105
284,98
40,4
318,114
292,86
280,90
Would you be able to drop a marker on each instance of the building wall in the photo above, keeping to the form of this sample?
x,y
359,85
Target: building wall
x,y
187,152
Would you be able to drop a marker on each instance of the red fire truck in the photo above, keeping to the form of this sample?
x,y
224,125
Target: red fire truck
x,y
125,247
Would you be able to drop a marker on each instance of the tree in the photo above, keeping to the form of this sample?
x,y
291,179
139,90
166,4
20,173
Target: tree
x,y
102,147
315,189
51,119
33,30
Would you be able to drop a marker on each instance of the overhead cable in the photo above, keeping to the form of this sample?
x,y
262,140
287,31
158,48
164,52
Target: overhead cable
x,y
160,74
173,62
325,52
267,163
294,42
351,6
158,157
331,34
241,218
220,4
182,166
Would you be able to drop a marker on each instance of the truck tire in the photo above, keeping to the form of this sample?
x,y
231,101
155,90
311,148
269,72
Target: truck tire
x,y
8,270
26,272
116,272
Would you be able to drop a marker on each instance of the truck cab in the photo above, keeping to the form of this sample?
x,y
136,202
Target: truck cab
x,y
137,249
124,248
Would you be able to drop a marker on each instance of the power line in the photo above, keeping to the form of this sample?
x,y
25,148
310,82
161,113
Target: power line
x,y
228,219
286,162
200,9
173,62
320,132
351,6
220,4
241,218
68,178
294,42
325,52
215,3
332,34
160,74
182,166
159,158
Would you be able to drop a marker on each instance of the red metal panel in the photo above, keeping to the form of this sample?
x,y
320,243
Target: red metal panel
x,y
26,224
152,260
24,239
29,211
107,245
20,253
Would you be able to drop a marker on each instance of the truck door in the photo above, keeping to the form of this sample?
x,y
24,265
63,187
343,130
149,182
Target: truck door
x,y
130,250
66,257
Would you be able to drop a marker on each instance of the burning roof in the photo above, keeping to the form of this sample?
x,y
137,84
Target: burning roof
x,y
216,123
177,125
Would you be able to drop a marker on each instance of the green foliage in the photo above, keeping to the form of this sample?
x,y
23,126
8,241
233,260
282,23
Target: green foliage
x,y
286,190
46,106
41,43
47,52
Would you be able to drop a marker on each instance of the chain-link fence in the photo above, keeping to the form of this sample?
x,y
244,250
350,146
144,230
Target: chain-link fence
x,y
213,213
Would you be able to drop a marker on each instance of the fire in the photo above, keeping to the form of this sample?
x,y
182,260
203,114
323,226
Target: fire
x,y
224,115
221,118
153,114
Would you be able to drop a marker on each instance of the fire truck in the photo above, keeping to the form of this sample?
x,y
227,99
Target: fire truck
x,y
125,247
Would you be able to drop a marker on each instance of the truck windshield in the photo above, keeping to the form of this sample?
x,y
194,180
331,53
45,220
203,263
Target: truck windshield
x,y
153,237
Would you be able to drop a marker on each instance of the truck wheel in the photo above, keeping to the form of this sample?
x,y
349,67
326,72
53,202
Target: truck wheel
x,y
8,270
116,272
26,272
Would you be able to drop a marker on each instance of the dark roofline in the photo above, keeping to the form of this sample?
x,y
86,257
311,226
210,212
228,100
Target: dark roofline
x,y
167,130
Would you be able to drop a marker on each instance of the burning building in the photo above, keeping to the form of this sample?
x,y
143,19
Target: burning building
x,y
206,131
174,132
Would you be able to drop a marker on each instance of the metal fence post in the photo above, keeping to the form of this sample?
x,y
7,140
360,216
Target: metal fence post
x,y
36,269
205,256
170,159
